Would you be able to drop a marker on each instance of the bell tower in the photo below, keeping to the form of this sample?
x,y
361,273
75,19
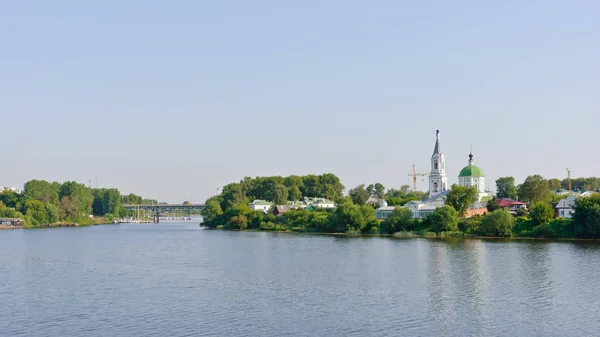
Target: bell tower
x,y
438,181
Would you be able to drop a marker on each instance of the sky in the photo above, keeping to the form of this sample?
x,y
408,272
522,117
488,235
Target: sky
x,y
174,99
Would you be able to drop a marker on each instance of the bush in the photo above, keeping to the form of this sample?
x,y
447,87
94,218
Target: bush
x,y
541,213
443,219
543,231
497,223
470,225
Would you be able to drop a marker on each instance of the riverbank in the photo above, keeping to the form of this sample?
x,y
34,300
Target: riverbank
x,y
410,235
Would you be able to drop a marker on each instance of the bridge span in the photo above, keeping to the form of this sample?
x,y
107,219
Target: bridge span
x,y
158,208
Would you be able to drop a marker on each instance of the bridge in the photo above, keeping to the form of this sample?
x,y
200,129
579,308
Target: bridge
x,y
158,208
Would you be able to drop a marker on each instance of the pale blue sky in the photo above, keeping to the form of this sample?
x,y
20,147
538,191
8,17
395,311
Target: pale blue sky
x,y
172,99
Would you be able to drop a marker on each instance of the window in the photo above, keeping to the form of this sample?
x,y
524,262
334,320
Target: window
x,y
435,165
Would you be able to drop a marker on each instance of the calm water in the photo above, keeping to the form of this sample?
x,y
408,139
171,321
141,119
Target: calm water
x,y
180,280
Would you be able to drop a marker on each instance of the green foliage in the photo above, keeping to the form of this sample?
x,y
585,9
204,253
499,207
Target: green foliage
x,y
379,190
443,219
523,226
554,184
470,225
399,220
350,217
132,199
212,210
280,195
543,231
358,195
497,223
41,190
492,205
11,199
461,198
238,222
9,212
534,188
36,210
505,188
541,213
586,216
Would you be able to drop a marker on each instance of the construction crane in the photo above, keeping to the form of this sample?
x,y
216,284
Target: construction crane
x,y
414,176
569,179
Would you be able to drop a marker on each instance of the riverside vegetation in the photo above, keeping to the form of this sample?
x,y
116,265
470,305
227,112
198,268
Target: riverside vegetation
x,y
49,203
354,216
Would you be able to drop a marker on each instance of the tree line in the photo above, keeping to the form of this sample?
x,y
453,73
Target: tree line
x,y
230,210
44,202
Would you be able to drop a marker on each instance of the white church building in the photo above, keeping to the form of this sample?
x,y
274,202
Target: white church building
x,y
470,175
438,184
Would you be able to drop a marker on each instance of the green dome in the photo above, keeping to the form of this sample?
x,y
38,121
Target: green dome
x,y
471,171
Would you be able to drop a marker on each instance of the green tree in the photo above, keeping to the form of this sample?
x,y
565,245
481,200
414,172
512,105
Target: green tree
x,y
370,189
349,217
461,198
505,188
492,205
443,219
497,223
232,194
399,220
359,195
379,190
541,213
280,195
36,210
238,222
405,189
52,213
554,184
294,193
69,208
9,212
10,199
534,188
586,216
211,211
41,190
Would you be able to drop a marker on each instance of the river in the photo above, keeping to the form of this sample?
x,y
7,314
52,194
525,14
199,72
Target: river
x,y
176,279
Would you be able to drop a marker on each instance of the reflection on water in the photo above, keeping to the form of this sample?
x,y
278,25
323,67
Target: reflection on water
x,y
177,279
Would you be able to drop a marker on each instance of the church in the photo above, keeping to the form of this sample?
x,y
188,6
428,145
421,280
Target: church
x,y
470,175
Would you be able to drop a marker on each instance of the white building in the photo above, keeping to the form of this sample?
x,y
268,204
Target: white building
x,y
384,211
438,184
438,181
564,208
261,205
472,176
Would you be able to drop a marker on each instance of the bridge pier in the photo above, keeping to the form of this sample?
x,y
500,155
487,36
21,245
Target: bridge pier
x,y
157,217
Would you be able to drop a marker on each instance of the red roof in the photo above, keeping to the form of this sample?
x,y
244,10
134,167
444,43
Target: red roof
x,y
506,202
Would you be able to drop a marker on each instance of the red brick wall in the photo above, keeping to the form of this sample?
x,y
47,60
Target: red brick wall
x,y
476,211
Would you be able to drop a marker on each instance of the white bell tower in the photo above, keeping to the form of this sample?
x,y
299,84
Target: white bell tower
x,y
438,181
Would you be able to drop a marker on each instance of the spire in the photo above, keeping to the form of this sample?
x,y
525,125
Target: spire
x,y
471,155
436,149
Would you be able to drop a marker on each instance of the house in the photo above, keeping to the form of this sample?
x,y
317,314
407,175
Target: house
x,y
296,205
384,211
373,200
512,205
587,193
422,208
318,203
280,209
564,208
261,205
